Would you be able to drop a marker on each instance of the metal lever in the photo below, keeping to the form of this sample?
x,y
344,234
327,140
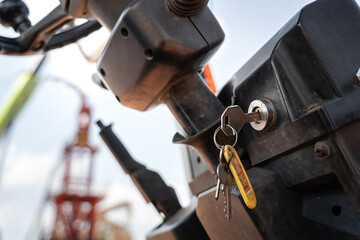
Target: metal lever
x,y
149,183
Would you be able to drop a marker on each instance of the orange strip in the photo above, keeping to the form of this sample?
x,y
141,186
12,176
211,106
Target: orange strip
x,y
209,78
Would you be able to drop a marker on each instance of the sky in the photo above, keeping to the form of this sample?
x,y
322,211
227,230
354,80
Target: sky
x,y
37,138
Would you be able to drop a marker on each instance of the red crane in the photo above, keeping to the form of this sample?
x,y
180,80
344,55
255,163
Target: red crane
x,y
75,203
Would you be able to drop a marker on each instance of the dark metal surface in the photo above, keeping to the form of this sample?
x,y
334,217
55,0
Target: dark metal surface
x,y
107,12
328,214
211,215
306,178
294,77
193,104
154,56
202,182
183,225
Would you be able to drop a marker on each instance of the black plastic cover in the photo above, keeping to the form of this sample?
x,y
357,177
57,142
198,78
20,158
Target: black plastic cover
x,y
150,48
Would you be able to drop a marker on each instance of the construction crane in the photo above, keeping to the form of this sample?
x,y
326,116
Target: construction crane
x,y
75,204
77,213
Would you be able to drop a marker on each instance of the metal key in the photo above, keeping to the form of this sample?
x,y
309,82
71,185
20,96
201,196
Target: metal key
x,y
227,201
218,184
221,179
235,117
226,179
224,174
218,181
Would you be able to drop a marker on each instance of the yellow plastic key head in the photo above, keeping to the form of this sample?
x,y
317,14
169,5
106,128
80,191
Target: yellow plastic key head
x,y
240,176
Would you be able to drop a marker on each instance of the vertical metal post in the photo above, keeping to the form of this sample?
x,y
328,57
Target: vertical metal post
x,y
193,104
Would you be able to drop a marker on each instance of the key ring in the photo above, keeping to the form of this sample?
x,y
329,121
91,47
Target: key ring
x,y
234,133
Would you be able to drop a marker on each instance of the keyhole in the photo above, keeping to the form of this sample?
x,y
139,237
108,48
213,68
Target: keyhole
x,y
336,210
257,110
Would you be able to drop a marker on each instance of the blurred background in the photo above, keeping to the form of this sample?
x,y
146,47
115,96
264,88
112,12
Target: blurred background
x,y
32,149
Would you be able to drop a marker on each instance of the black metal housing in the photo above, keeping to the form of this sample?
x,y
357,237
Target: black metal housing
x,y
306,171
151,48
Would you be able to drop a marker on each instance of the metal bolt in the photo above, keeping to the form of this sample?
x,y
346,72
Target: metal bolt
x,y
319,152
37,46
322,150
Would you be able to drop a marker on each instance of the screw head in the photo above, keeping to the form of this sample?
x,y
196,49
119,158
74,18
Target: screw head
x,y
322,150
319,152
37,46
